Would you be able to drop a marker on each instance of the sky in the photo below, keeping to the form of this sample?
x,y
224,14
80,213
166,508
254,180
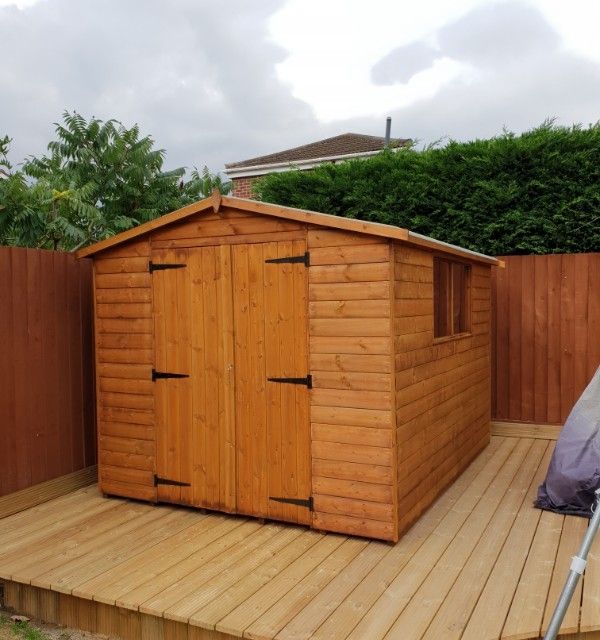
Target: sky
x,y
215,82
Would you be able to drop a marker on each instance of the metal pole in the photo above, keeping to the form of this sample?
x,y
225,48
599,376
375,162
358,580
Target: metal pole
x,y
577,568
388,132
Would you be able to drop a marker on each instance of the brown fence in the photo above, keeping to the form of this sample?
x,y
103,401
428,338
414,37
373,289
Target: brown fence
x,y
546,335
47,425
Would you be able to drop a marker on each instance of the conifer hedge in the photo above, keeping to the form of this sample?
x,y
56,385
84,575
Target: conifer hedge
x,y
538,192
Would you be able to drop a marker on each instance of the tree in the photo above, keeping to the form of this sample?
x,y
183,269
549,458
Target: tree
x,y
538,192
96,179
203,184
18,222
5,165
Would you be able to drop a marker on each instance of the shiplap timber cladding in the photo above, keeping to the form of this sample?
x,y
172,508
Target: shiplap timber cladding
x,y
368,417
442,385
124,359
351,361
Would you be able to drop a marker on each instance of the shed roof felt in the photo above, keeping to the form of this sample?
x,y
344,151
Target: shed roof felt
x,y
215,201
344,144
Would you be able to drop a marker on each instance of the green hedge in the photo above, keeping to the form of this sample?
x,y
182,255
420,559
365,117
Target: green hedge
x,y
538,192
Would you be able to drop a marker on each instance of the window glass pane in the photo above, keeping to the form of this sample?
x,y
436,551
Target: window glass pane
x,y
451,297
441,298
460,298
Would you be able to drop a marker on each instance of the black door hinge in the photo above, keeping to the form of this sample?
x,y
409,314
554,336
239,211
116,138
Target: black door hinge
x,y
161,266
174,483
307,381
299,502
304,259
156,375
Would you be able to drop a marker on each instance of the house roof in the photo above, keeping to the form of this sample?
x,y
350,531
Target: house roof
x,y
215,202
345,144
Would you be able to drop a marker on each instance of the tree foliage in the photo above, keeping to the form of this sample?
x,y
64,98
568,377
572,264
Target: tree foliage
x,y
96,179
538,192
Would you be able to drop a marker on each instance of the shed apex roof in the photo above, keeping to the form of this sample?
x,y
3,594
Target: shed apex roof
x,y
215,201
344,144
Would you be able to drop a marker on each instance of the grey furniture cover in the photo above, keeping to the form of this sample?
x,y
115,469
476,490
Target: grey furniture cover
x,y
574,471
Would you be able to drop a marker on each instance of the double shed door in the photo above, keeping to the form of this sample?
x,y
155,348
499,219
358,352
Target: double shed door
x,y
228,438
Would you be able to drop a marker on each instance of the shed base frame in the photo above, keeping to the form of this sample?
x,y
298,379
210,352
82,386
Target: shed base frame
x,y
87,615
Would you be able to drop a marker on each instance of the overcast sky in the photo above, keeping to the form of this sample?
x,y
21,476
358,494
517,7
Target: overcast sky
x,y
217,82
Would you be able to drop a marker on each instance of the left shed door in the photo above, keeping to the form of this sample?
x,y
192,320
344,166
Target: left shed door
x,y
193,326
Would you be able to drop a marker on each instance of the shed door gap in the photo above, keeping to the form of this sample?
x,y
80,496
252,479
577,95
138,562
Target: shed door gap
x,y
303,259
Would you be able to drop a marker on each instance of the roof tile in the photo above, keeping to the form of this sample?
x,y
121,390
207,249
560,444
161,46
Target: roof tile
x,y
344,144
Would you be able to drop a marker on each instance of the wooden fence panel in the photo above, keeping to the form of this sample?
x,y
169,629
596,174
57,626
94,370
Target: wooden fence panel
x,y
47,415
545,335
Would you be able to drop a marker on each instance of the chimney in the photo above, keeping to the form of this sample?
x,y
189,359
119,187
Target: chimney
x,y
388,131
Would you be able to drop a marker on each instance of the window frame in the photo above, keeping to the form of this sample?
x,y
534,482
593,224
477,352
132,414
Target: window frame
x,y
466,270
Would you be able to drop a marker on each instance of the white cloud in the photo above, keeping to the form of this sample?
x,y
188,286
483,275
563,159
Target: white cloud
x,y
216,82
201,80
521,74
19,4
334,45
577,23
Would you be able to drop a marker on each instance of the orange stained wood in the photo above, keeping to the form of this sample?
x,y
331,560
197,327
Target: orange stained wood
x,y
442,385
393,416
193,335
124,357
272,425
352,366
217,202
235,438
172,397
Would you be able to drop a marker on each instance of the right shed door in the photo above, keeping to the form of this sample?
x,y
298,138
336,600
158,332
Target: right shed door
x,y
271,417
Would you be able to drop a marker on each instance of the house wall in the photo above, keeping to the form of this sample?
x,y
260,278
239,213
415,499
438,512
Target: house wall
x,y
242,187
351,361
442,386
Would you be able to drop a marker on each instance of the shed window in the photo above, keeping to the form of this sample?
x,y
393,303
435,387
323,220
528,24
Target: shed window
x,y
451,297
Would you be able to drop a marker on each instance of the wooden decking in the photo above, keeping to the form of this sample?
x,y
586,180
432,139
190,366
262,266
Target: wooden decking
x,y
481,564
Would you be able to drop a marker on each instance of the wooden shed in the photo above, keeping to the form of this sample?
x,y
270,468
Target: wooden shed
x,y
290,365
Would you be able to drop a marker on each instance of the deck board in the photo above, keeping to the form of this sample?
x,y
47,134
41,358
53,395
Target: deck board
x,y
525,615
350,612
182,568
455,611
434,590
493,604
590,606
481,564
150,563
570,539
67,544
